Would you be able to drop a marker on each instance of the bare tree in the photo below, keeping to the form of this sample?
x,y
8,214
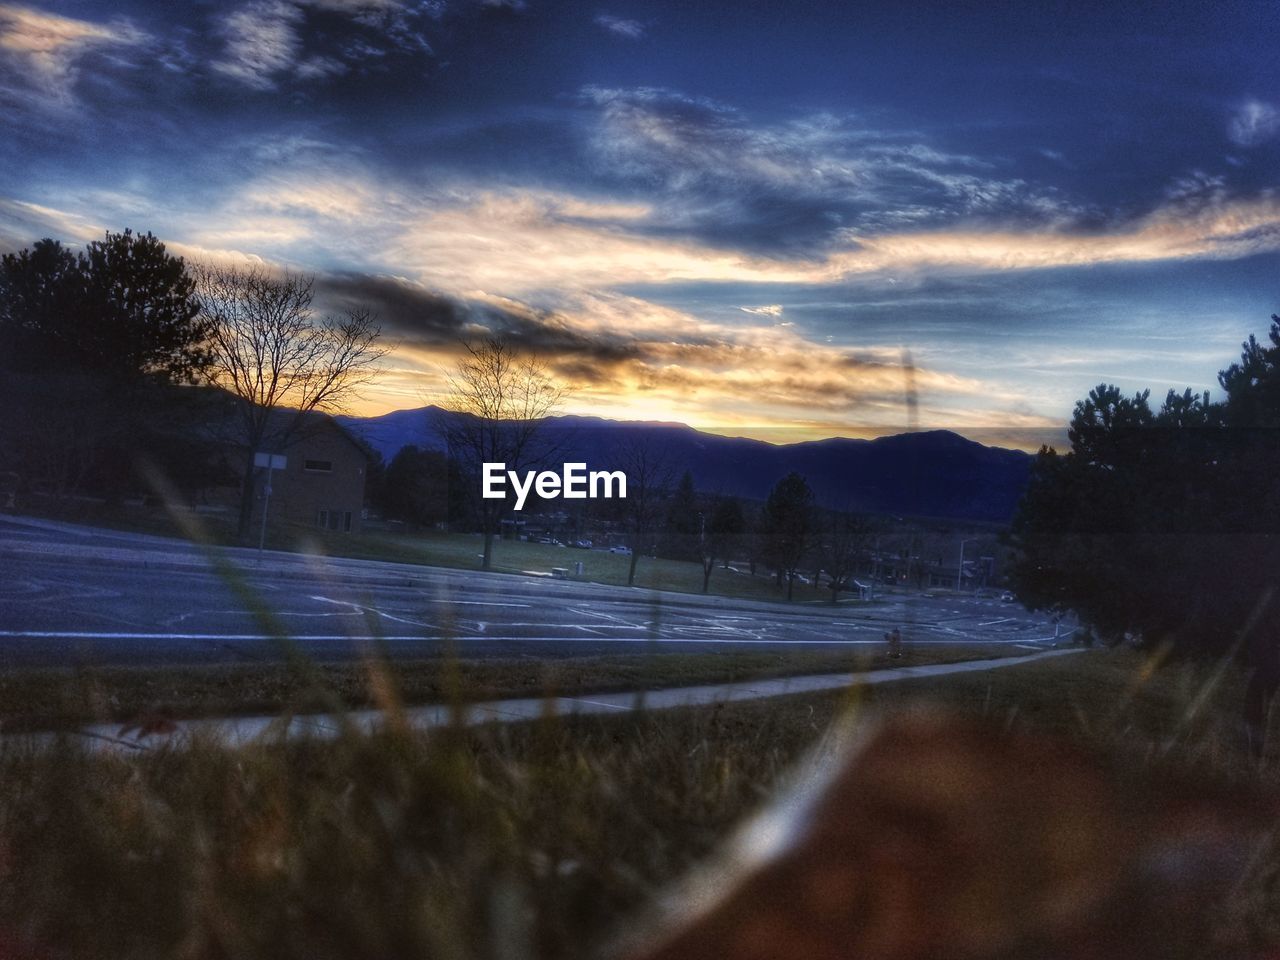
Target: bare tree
x,y
500,399
843,540
648,464
271,352
787,525
723,525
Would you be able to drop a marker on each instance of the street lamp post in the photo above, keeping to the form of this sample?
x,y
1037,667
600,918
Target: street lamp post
x,y
960,569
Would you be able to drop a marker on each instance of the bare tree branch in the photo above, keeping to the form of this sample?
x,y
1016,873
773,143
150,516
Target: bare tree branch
x,y
270,352
503,398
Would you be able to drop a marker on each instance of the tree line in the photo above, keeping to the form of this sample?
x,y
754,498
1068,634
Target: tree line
x,y
500,401
95,345
662,517
1160,524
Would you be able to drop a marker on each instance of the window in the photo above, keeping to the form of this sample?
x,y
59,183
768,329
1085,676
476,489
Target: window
x,y
334,520
317,466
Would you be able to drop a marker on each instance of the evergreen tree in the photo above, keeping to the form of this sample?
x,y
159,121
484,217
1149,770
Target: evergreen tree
x,y
684,527
123,312
1162,525
415,488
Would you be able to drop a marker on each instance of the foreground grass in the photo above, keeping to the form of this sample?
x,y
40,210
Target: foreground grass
x,y
57,699
542,840
502,842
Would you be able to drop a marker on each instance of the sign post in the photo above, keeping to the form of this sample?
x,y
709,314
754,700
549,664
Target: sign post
x,y
272,461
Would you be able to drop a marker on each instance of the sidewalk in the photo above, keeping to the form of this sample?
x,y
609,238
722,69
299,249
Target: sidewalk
x,y
237,731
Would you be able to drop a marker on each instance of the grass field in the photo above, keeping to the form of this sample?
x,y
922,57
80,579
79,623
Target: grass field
x,y
59,699
536,840
461,551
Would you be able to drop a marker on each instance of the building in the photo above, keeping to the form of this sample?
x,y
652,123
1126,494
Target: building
x,y
322,482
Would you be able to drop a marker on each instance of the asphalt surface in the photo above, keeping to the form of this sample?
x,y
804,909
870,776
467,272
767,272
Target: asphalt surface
x,y
72,594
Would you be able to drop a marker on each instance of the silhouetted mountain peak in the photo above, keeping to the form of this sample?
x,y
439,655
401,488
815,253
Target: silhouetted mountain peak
x,y
927,473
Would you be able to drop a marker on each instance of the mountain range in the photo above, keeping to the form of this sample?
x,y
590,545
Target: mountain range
x,y
925,474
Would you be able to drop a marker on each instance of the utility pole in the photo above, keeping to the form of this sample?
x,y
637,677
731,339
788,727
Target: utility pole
x,y
960,570
875,567
272,462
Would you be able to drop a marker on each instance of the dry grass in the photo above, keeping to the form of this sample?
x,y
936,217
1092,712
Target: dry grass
x,y
515,841
60,699
536,840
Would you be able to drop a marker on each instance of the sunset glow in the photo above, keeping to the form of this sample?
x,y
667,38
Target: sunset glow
x,y
748,224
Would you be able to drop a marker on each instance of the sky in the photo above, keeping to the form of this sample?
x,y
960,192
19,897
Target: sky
x,y
779,220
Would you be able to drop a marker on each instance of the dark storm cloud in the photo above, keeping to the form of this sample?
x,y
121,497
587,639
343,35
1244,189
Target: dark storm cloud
x,y
404,308
424,318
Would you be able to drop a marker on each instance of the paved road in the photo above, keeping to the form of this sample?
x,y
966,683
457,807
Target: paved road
x,y
73,594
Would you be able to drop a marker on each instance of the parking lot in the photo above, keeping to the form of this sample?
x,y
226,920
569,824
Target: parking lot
x,y
72,594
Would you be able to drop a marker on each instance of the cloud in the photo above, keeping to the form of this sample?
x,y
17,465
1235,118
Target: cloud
x,y
1216,230
621,354
262,43
25,222
511,242
663,361
745,379
309,196
1254,122
563,273
533,244
312,202
269,40
629,29
372,10
315,68
517,243
403,306
40,53
789,186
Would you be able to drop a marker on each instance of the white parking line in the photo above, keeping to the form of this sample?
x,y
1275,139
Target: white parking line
x,y
362,609
484,603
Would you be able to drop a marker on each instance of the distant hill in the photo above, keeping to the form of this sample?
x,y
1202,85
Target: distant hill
x,y
930,474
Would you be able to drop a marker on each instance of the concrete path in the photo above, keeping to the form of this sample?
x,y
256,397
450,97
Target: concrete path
x,y
236,731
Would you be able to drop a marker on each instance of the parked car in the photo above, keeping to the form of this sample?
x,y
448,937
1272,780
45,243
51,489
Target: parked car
x,y
581,544
625,551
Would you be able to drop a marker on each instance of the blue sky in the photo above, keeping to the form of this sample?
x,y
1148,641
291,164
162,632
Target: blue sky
x,y
747,217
